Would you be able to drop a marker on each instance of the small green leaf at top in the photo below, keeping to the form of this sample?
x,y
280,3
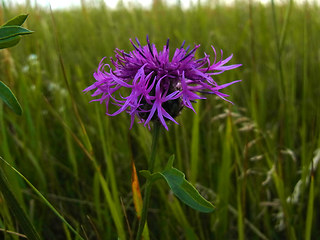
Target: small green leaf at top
x,y
8,97
147,174
18,20
170,162
152,177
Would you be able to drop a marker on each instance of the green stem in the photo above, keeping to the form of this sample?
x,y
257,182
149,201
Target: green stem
x,y
147,192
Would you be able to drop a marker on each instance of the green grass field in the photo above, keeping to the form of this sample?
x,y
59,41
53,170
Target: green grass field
x,y
256,160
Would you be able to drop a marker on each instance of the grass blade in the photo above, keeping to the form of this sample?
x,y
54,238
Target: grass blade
x,y
15,207
310,210
34,235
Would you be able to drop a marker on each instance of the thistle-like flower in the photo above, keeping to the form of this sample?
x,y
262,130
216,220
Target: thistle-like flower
x,y
157,87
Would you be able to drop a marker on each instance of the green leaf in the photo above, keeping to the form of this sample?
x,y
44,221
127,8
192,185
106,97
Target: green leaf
x,y
183,189
9,42
9,98
18,20
11,31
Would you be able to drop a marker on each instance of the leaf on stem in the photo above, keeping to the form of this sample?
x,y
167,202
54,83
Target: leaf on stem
x,y
183,189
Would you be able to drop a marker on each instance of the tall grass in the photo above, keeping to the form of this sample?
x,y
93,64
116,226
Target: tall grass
x,y
256,160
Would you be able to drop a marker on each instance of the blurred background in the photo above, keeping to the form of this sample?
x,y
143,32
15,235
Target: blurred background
x,y
60,4
256,160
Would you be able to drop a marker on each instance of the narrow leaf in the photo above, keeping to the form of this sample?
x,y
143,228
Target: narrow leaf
x,y
18,20
11,31
137,199
8,97
9,42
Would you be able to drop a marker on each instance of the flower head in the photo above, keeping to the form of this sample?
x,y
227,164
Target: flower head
x,y
157,87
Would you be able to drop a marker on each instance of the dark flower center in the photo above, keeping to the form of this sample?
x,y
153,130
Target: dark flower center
x,y
172,107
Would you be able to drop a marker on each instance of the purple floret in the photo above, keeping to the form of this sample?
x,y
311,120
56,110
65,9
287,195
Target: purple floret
x,y
157,88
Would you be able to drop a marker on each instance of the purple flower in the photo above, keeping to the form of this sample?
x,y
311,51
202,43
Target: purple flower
x,y
147,84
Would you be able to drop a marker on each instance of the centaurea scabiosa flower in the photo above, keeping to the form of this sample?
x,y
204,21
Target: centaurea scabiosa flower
x,y
158,87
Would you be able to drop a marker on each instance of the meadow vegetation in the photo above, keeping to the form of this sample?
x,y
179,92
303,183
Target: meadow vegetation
x,y
256,160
